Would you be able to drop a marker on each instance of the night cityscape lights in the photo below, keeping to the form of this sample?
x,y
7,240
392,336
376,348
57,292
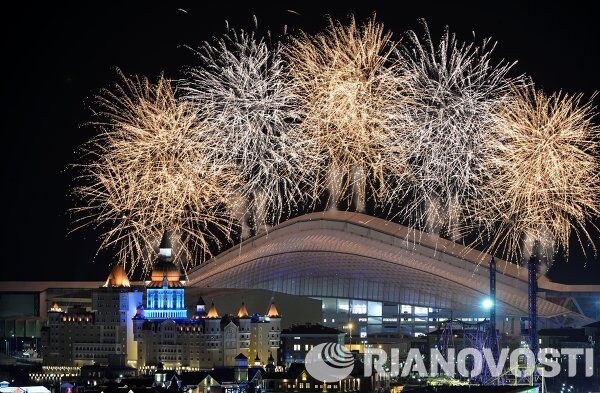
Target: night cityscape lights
x,y
316,203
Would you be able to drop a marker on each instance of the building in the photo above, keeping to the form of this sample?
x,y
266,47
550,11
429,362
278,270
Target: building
x,y
166,335
297,379
144,326
24,310
299,339
376,277
239,378
102,335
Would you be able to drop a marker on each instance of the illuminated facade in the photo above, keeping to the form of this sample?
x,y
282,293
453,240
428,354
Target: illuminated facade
x,y
165,297
377,277
166,335
79,336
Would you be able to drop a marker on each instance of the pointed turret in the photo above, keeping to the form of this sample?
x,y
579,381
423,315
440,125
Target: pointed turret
x,y
212,312
270,368
165,273
200,307
117,278
243,311
165,249
257,360
273,313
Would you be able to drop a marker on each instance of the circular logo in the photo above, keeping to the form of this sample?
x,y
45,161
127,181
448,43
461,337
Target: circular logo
x,y
329,362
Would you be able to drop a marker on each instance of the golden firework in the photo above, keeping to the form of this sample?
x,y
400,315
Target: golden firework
x,y
543,173
149,171
349,93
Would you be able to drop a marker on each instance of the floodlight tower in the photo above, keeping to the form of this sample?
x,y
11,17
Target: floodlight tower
x,y
492,336
532,269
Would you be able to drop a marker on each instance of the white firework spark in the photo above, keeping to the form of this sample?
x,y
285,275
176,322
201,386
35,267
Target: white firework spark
x,y
454,87
243,80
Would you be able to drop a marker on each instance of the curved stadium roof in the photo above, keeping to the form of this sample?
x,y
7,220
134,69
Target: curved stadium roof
x,y
352,255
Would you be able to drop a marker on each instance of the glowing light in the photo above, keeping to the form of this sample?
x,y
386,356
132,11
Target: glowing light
x,y
242,80
349,94
149,170
453,88
543,180
487,303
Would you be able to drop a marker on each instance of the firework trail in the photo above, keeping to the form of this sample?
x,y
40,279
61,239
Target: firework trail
x,y
148,171
453,89
543,183
244,82
349,93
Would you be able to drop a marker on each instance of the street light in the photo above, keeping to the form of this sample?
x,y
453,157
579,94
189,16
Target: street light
x,y
488,303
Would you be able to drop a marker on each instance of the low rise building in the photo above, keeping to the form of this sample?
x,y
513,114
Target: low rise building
x,y
299,339
78,336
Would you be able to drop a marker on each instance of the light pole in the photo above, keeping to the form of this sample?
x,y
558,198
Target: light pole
x,y
350,327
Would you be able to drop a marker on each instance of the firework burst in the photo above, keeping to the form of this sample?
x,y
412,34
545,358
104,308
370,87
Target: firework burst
x,y
148,172
348,93
543,182
243,80
453,88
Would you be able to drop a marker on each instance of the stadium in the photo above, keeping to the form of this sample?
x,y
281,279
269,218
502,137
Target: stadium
x,y
376,277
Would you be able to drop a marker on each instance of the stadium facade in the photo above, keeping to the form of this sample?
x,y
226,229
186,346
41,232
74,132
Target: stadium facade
x,y
377,277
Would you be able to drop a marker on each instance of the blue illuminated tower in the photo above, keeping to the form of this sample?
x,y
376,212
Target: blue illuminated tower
x,y
165,297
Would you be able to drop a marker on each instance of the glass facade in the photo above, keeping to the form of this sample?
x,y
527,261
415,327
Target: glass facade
x,y
363,318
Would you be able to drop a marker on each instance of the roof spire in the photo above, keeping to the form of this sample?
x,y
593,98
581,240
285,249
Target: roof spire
x,y
117,278
165,249
243,311
212,312
273,313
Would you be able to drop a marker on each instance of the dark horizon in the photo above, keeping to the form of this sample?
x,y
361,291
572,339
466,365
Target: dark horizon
x,y
56,59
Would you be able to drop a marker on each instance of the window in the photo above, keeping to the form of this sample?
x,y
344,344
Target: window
x,y
359,307
375,309
297,347
343,305
421,310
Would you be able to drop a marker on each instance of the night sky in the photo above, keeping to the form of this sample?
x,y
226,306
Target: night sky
x,y
55,59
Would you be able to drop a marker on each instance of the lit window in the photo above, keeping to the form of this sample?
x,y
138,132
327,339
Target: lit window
x,y
358,307
375,309
421,310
